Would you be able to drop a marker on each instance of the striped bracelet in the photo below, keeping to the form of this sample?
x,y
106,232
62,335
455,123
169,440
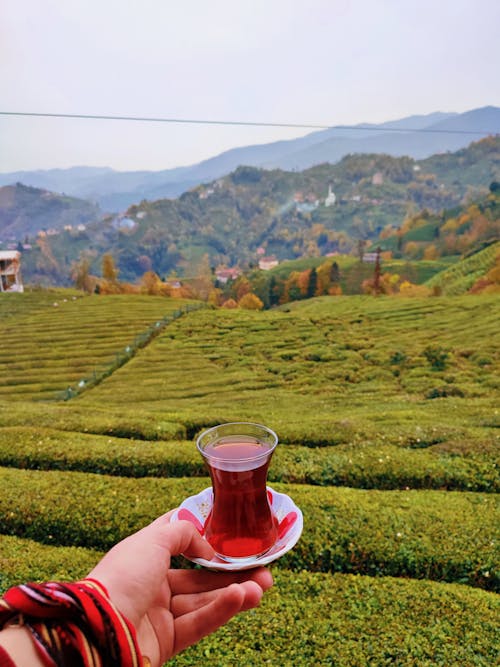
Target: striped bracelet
x,y
73,625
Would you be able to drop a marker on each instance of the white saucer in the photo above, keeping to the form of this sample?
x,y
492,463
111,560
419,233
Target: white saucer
x,y
290,521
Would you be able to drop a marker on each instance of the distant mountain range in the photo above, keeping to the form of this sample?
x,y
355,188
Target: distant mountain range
x,y
253,211
414,136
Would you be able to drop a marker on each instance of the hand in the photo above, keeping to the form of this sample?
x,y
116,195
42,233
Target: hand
x,y
172,609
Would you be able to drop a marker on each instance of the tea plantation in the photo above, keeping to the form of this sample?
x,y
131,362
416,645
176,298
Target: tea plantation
x,y
387,411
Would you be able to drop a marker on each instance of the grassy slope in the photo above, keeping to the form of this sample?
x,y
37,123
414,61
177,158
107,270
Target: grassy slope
x,y
460,277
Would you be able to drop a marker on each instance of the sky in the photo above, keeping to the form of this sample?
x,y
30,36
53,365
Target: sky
x,y
318,62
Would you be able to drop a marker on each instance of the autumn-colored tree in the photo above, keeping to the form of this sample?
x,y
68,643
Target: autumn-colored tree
x,y
431,252
323,278
202,284
241,287
450,225
215,296
80,275
409,289
108,268
303,282
387,284
250,301
151,283
230,303
411,249
490,282
335,290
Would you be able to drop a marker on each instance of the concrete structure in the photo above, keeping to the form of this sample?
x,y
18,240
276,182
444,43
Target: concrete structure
x,y
10,271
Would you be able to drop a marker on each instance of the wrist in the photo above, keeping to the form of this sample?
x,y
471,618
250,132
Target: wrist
x,y
19,646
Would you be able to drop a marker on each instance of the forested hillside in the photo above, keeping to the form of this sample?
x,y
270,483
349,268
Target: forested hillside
x,y
323,210
25,211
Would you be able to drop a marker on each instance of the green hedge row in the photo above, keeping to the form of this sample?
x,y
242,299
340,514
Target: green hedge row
x,y
316,619
375,466
352,621
90,335
450,535
26,560
460,428
74,417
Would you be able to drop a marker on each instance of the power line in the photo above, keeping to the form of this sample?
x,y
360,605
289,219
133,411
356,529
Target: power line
x,y
198,121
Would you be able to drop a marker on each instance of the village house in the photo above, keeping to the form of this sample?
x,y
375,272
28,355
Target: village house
x,y
223,275
10,271
204,194
267,263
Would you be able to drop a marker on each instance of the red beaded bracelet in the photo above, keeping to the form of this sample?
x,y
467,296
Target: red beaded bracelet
x,y
73,625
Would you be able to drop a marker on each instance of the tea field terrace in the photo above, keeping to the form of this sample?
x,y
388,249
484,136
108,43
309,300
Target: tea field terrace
x,y
57,340
387,411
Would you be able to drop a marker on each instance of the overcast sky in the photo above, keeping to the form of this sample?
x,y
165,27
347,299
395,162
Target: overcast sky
x,y
324,62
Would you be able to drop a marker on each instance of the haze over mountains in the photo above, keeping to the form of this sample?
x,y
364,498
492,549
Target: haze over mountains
x,y
415,136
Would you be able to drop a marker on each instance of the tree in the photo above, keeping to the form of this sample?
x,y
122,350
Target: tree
x,y
335,273
376,273
251,301
275,290
312,284
431,252
361,249
230,303
241,287
150,283
108,268
202,284
80,275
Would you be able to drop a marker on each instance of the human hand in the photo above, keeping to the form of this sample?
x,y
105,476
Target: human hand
x,y
172,609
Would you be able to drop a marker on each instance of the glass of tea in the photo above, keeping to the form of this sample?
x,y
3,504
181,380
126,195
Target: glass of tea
x,y
241,525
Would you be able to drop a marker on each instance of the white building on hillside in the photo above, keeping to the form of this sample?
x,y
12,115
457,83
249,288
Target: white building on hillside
x,y
330,197
10,271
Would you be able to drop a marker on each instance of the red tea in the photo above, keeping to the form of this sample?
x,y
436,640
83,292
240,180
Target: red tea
x,y
241,522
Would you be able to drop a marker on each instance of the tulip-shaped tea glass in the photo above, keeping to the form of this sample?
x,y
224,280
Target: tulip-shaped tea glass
x,y
240,526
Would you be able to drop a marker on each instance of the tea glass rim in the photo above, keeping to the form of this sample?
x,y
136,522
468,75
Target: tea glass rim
x,y
255,425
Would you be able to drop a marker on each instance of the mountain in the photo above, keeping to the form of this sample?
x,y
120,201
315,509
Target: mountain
x,y
115,191
25,210
284,213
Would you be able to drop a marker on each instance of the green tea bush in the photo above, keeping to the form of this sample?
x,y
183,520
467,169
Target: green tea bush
x,y
314,618
421,534
26,560
377,466
41,340
356,402
348,621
